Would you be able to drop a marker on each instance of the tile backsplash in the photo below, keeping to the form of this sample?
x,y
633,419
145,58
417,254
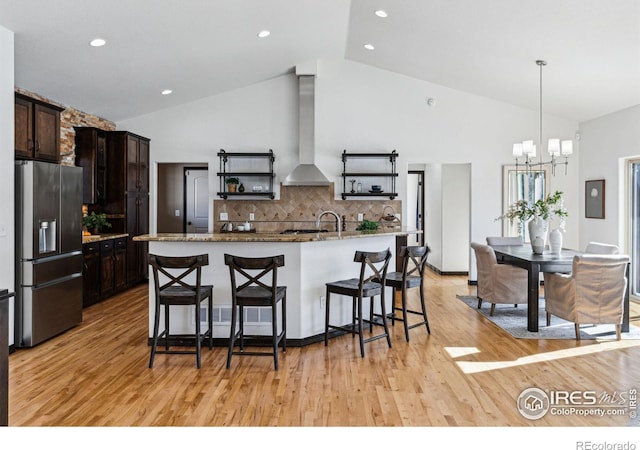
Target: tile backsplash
x,y
299,206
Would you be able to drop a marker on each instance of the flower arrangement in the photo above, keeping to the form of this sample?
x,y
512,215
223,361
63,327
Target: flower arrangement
x,y
547,209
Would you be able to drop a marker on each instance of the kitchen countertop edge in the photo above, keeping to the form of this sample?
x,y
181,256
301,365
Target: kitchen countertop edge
x,y
102,237
266,237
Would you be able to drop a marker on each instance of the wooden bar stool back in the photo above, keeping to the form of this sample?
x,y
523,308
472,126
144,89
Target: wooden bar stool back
x,y
177,292
373,273
414,259
254,283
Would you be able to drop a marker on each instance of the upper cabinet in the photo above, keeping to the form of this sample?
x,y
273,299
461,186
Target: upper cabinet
x,y
91,154
243,174
369,174
37,129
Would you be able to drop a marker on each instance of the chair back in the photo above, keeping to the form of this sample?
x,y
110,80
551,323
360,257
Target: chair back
x,y
414,259
373,266
602,249
251,274
505,240
176,269
600,283
485,260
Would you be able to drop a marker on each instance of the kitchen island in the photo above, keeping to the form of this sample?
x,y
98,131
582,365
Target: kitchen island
x,y
311,260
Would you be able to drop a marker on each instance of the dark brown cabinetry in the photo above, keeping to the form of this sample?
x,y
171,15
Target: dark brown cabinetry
x,y
105,269
127,198
91,154
37,130
91,274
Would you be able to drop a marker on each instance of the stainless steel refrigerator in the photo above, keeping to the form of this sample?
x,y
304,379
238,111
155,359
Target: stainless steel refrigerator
x,y
48,250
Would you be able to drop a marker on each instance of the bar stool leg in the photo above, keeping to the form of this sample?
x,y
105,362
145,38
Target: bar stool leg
x,y
383,307
360,326
198,337
326,317
424,309
274,331
284,322
156,325
404,313
241,326
210,319
166,326
232,334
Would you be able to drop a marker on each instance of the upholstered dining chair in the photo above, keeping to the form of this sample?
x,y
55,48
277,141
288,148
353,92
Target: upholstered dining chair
x,y
498,283
592,294
505,240
601,249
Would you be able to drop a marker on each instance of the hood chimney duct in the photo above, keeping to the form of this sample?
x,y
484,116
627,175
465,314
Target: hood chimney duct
x,y
306,173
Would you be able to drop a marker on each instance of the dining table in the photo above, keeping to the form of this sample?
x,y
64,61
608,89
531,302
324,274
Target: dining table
x,y
547,262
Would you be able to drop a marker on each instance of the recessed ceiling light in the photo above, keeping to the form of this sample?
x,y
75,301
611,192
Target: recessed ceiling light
x,y
98,42
264,33
167,92
381,13
369,46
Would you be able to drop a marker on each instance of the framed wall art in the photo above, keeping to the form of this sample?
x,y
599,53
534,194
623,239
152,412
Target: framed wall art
x,y
594,199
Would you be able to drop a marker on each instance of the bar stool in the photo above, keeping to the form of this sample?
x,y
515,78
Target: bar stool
x,y
414,259
373,273
251,291
177,292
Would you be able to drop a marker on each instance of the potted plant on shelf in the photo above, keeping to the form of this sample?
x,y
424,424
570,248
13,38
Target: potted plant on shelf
x,y
538,216
232,183
95,222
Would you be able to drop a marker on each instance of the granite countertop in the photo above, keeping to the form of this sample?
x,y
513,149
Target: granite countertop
x,y
102,237
268,237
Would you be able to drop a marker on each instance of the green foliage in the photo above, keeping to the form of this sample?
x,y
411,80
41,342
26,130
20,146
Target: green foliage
x,y
368,225
232,180
94,220
547,208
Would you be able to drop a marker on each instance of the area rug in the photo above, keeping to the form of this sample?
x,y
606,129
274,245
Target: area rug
x,y
514,321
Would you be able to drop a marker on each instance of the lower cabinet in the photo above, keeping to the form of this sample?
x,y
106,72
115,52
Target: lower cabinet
x,y
105,269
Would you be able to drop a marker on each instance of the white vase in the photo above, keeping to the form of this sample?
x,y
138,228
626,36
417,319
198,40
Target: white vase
x,y
538,228
555,241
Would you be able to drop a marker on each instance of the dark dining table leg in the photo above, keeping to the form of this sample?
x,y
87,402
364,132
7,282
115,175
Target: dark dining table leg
x,y
533,287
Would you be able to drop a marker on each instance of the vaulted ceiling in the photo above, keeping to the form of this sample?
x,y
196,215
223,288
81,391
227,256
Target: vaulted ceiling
x,y
199,48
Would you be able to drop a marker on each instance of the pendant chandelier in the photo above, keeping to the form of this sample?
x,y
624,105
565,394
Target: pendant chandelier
x,y
556,148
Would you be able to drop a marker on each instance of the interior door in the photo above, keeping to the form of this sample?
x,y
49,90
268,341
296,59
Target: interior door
x,y
196,200
415,206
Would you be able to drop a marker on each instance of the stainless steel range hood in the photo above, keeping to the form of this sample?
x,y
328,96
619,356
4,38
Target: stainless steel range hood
x,y
306,173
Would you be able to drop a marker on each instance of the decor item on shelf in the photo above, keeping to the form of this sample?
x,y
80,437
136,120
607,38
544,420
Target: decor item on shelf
x,y
555,146
359,187
241,188
353,181
95,222
368,226
232,183
538,214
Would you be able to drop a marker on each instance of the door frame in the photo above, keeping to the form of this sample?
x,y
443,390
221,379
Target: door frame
x,y
420,211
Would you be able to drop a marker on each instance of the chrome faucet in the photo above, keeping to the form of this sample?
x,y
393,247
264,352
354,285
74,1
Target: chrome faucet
x,y
338,223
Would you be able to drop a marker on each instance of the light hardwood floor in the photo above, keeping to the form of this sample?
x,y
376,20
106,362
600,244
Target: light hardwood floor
x,y
466,373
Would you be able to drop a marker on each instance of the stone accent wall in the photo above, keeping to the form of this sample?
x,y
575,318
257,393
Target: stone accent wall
x,y
70,118
299,206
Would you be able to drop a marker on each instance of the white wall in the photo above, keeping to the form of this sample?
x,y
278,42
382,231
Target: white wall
x,y
360,108
605,143
7,244
456,182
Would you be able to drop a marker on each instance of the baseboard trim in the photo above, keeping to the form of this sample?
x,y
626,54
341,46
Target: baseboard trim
x,y
440,272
